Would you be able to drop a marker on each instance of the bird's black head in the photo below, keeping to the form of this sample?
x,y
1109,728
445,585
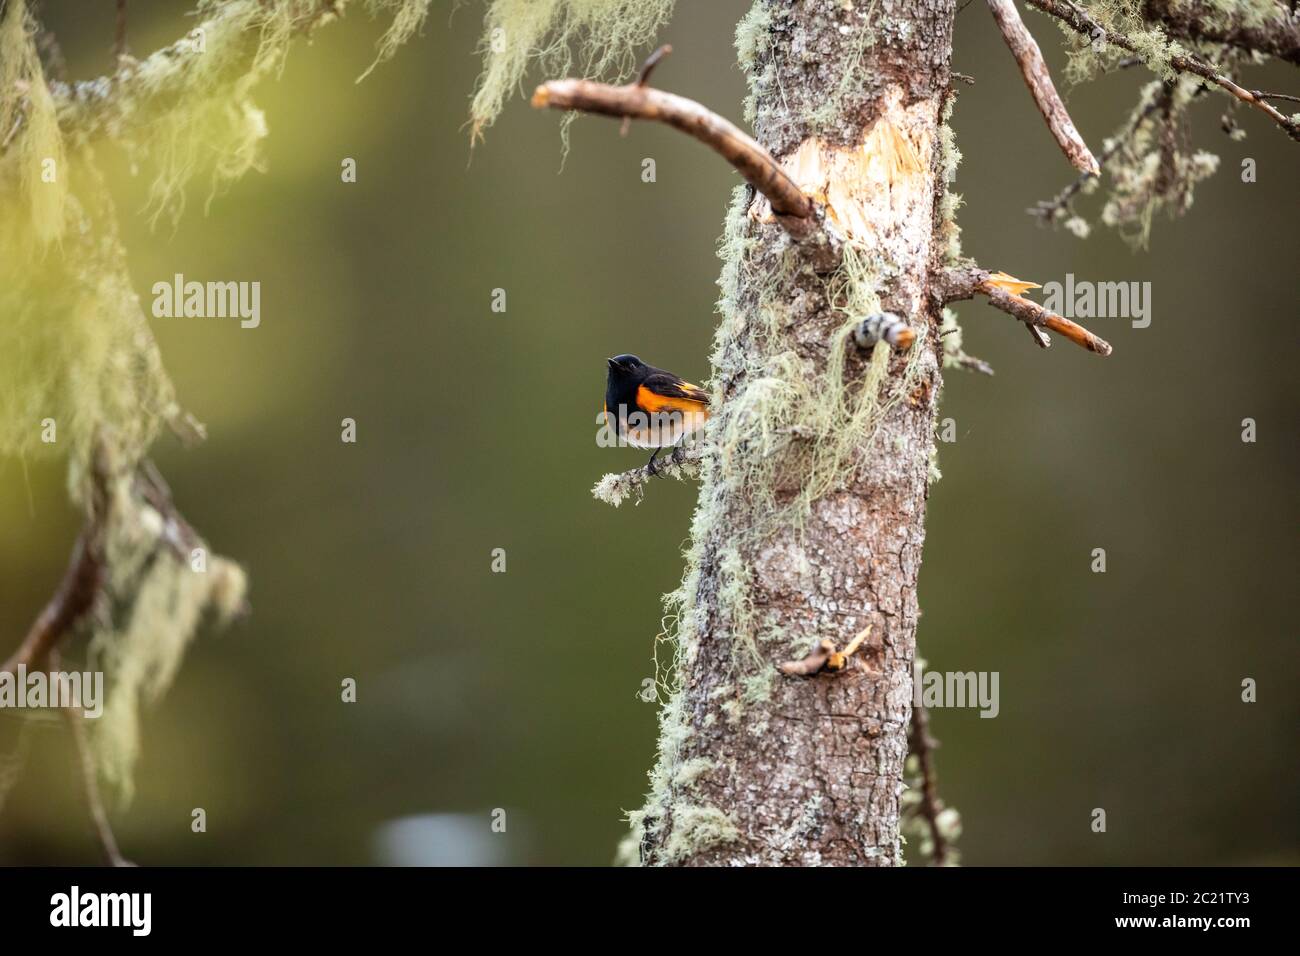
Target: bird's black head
x,y
625,363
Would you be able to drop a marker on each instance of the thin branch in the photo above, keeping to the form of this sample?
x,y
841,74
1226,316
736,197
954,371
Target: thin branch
x,y
1034,69
651,62
90,780
956,284
617,487
793,210
923,746
1082,22
1038,335
969,362
643,78
75,596
1276,96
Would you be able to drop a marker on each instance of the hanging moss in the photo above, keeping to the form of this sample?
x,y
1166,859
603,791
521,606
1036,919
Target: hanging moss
x,y
408,17
75,345
38,162
598,37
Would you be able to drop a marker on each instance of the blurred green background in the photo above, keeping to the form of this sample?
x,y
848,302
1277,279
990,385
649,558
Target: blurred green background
x,y
475,431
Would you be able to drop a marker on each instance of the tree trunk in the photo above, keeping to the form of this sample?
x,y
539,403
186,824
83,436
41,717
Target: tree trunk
x,y
810,521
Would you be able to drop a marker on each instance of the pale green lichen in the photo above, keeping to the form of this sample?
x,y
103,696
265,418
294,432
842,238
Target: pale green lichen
x,y
408,16
752,43
695,829
852,76
1152,169
599,38
38,160
691,770
167,600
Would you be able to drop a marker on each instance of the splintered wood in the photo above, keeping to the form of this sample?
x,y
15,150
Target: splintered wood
x,y
866,188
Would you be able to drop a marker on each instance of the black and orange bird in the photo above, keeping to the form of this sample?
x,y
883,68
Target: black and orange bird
x,y
652,408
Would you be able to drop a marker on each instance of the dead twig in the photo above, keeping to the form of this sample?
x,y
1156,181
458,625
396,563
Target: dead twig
x,y
931,806
793,210
643,78
957,284
1034,69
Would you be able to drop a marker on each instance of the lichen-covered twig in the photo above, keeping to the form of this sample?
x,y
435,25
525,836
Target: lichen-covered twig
x,y
955,284
1034,69
1049,210
137,91
931,807
1276,33
617,487
792,209
1079,20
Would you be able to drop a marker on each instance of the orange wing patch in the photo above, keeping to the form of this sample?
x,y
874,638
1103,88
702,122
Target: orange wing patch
x,y
693,400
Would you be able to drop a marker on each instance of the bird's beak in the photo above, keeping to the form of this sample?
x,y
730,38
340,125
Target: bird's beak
x,y
612,363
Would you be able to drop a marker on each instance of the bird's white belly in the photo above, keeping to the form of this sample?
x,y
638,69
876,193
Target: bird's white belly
x,y
665,430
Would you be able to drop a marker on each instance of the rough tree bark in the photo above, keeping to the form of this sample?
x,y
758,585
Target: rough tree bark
x,y
813,773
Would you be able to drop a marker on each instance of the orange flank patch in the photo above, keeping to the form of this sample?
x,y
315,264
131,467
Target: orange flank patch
x,y
653,402
1000,280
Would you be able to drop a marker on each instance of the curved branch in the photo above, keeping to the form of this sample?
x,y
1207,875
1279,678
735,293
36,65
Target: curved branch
x,y
793,210
1081,22
1034,69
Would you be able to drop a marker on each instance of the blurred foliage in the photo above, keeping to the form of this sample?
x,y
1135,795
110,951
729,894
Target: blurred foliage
x,y
476,431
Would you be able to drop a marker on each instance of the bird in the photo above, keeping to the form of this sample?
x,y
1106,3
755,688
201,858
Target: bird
x,y
651,407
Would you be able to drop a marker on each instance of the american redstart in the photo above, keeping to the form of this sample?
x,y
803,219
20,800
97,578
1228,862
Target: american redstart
x,y
652,408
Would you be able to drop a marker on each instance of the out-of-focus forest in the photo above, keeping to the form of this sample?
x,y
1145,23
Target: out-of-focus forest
x,y
476,430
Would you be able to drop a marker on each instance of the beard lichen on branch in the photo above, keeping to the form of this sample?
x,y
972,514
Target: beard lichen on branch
x,y
520,33
1151,163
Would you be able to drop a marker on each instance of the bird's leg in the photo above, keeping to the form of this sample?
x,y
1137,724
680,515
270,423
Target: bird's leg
x,y
650,465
